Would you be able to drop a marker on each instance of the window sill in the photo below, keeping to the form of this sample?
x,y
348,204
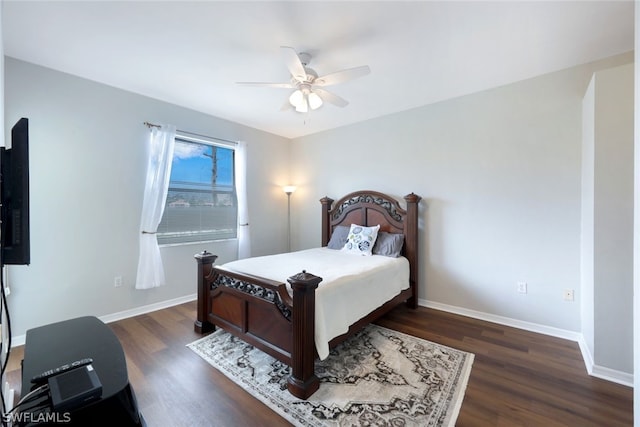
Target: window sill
x,y
169,245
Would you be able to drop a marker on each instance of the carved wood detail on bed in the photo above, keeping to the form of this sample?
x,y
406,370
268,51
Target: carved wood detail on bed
x,y
261,311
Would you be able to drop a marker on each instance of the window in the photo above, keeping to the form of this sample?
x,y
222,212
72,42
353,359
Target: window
x,y
201,202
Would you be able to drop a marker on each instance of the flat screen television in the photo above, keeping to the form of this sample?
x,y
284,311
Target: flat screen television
x,y
14,185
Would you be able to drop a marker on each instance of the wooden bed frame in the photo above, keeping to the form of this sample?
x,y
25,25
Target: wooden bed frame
x,y
261,311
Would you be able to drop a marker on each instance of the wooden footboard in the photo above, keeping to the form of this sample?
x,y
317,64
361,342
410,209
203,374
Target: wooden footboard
x,y
261,311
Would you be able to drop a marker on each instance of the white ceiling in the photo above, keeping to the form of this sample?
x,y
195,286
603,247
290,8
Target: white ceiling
x,y
420,52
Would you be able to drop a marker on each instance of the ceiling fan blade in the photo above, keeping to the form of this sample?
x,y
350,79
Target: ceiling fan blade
x,y
293,63
342,76
330,97
264,84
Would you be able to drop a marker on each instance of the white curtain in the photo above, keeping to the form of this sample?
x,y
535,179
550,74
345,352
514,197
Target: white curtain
x,y
160,152
244,242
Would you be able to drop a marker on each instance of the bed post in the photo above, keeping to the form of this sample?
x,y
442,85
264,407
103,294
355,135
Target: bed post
x,y
411,245
303,381
326,232
205,262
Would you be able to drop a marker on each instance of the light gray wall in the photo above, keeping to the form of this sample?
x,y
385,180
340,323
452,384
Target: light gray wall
x,y
88,162
636,232
1,83
613,232
607,218
587,301
500,173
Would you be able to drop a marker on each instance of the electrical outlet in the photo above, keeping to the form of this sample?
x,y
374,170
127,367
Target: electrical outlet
x,y
522,287
117,281
568,294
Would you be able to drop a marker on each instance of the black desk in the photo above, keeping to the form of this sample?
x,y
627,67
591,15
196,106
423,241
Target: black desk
x,y
53,345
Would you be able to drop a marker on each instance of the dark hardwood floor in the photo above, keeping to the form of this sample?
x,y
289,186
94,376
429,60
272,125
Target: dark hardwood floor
x,y
518,378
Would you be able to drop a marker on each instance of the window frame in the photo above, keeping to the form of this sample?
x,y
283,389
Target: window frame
x,y
210,141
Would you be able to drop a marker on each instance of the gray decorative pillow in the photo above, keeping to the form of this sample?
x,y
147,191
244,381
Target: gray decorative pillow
x,y
388,244
338,237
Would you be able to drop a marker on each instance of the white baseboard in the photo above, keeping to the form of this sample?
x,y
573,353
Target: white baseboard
x,y
602,372
594,370
108,318
507,321
612,375
147,308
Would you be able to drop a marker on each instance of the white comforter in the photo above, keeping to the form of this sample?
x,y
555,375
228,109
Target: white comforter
x,y
352,285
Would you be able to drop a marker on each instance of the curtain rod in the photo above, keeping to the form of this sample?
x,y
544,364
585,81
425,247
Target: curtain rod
x,y
152,125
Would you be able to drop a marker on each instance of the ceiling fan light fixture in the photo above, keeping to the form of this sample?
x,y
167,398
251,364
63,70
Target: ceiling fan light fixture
x,y
296,98
315,101
302,107
308,87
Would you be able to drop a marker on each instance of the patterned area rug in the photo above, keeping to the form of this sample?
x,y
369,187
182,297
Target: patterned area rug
x,y
379,377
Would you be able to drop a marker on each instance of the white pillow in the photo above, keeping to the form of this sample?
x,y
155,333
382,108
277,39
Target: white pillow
x,y
361,239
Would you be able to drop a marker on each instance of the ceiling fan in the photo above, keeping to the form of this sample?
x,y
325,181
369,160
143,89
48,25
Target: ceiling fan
x,y
309,92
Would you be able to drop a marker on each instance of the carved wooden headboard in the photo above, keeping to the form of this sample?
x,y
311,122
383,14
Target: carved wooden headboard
x,y
370,208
